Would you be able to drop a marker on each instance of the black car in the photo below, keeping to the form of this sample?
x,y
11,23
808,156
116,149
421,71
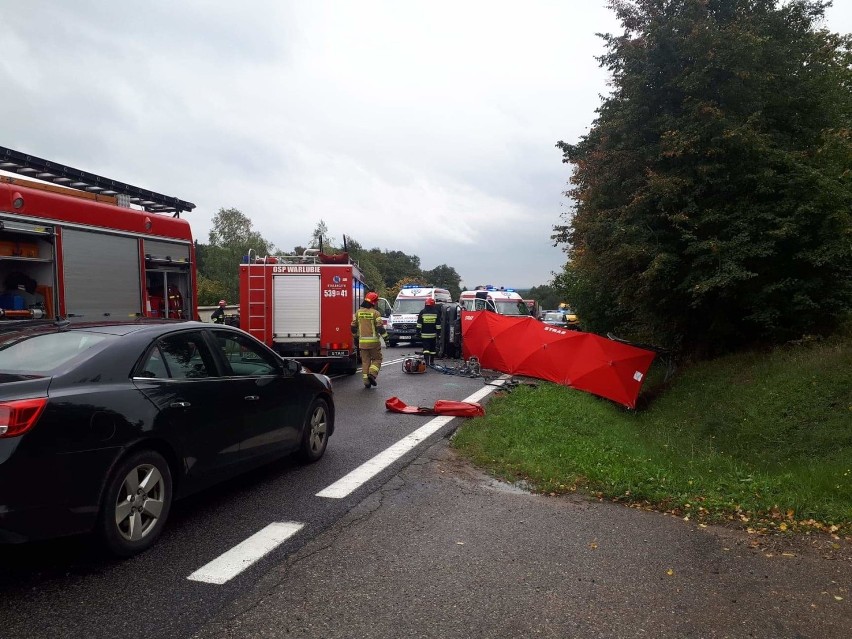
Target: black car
x,y
103,425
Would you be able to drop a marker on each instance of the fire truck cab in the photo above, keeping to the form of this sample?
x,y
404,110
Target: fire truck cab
x,y
76,247
504,301
302,306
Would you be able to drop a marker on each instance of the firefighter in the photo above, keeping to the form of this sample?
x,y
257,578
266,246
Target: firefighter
x,y
218,316
428,326
367,327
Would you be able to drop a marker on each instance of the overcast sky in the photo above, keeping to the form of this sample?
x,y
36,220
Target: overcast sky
x,y
426,127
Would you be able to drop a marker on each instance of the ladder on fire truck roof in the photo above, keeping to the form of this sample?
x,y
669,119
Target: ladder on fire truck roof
x,y
34,167
256,278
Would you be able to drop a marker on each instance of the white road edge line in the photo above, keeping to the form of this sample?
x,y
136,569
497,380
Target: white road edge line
x,y
372,467
231,563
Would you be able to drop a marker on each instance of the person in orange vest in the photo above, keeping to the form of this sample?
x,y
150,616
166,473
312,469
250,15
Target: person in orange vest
x,y
218,316
367,327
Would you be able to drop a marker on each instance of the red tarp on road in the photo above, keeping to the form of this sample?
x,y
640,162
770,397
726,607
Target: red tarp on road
x,y
442,407
585,361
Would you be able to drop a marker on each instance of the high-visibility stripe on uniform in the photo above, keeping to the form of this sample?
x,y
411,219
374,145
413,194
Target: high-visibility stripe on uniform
x,y
428,325
367,325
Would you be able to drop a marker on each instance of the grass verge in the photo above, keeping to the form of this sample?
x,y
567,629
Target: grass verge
x,y
763,440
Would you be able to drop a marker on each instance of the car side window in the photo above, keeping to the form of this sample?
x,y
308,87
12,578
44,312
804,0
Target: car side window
x,y
180,356
246,358
155,366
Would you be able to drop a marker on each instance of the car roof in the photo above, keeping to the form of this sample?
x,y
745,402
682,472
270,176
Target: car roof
x,y
118,328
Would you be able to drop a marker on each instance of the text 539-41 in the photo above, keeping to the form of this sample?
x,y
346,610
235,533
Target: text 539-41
x,y
335,292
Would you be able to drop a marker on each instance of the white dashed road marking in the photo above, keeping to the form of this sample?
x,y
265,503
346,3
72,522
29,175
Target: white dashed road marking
x,y
230,564
369,469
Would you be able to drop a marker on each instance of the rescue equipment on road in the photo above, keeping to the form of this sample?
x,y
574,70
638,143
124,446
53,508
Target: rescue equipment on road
x,y
441,407
413,365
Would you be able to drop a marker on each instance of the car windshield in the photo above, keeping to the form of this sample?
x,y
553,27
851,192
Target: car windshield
x,y
47,351
554,317
512,307
409,306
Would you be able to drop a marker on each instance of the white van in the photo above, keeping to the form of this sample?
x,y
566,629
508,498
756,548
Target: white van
x,y
504,301
402,323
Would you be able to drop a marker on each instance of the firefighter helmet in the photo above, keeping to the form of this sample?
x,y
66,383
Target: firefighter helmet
x,y
413,365
371,297
430,301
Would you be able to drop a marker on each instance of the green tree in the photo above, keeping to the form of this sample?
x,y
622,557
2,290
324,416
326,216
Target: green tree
x,y
320,238
444,276
547,296
395,265
371,273
231,238
393,291
712,194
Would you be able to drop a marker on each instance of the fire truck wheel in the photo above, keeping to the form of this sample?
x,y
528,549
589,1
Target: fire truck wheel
x,y
136,503
315,431
353,365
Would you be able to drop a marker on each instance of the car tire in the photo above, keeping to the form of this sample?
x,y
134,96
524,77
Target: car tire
x,y
315,431
136,503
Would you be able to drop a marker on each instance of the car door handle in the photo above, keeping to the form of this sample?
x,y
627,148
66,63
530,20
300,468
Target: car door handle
x,y
252,398
180,405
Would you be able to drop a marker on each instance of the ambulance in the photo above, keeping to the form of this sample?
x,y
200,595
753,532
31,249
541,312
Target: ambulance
x,y
83,247
505,301
402,323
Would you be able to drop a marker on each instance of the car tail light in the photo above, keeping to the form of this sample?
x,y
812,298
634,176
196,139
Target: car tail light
x,y
17,417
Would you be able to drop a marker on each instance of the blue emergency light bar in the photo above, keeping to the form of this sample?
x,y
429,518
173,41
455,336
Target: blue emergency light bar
x,y
413,286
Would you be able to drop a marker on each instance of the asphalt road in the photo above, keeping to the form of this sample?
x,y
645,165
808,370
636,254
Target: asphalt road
x,y
66,588
429,547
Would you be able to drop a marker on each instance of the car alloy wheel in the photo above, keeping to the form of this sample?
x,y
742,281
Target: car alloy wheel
x,y
315,431
136,503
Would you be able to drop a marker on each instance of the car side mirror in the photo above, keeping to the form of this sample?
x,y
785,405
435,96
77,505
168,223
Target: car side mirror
x,y
292,366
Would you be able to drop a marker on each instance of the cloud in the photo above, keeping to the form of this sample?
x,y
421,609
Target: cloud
x,y
426,127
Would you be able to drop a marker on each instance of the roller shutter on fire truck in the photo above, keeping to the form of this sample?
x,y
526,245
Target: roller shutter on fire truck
x,y
101,273
168,251
296,303
93,247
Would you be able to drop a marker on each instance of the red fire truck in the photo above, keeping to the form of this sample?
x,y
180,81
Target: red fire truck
x,y
302,305
91,247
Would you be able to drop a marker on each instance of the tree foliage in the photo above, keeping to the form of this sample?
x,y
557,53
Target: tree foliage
x,y
713,191
547,295
321,239
231,238
395,265
444,276
372,275
233,235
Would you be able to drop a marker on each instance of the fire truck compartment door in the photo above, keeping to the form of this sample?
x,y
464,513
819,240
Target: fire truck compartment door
x,y
296,308
167,251
101,275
